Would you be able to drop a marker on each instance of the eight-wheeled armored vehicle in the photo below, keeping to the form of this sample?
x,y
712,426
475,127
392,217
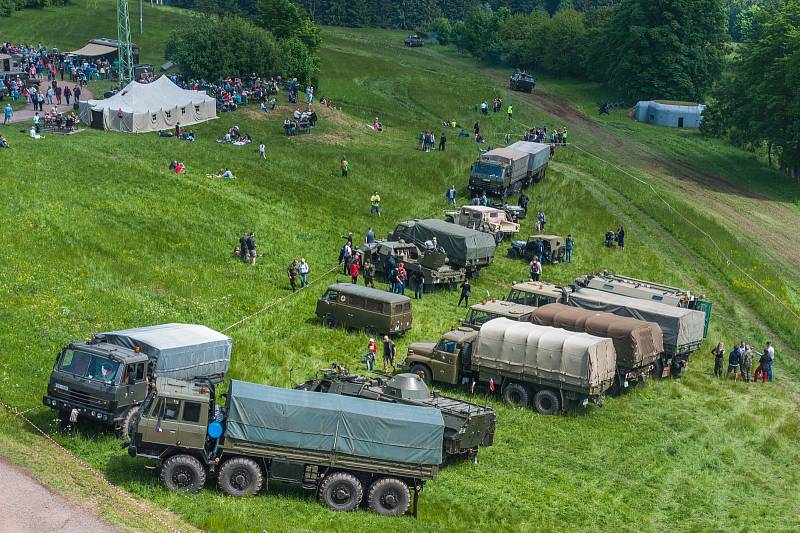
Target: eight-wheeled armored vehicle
x,y
345,449
466,425
521,81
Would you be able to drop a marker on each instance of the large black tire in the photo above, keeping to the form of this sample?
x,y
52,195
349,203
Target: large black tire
x,y
449,219
240,477
498,237
547,402
422,371
328,321
658,370
123,429
517,394
183,473
341,491
389,497
513,253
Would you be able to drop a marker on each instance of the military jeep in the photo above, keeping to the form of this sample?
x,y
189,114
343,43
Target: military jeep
x,y
552,248
490,220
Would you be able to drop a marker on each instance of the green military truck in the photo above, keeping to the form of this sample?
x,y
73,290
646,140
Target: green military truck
x,y
431,263
549,367
464,247
344,449
466,425
106,378
503,172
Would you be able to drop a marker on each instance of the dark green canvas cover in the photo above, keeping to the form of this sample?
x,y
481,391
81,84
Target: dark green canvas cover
x,y
461,244
334,423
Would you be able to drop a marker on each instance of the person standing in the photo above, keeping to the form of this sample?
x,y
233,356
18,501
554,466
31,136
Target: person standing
x,y
372,352
568,246
262,151
369,273
389,352
510,111
369,237
67,94
536,269
7,114
401,277
251,247
345,254
484,199
292,272
523,202
542,219
771,353
621,237
304,269
763,367
244,253
451,196
418,283
36,122
734,362
354,268
375,200
747,362
442,141
345,166
719,356
466,292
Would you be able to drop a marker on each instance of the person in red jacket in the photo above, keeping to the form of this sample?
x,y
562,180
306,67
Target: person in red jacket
x,y
354,268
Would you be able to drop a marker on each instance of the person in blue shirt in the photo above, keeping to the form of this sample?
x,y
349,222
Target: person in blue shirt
x,y
451,196
570,243
7,113
369,238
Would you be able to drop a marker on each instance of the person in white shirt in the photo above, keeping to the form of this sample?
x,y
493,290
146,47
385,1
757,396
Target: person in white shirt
x,y
771,353
304,269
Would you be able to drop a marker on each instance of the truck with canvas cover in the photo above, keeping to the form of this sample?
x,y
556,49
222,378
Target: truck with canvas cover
x,y
464,247
345,449
647,290
466,425
548,367
538,158
501,172
106,378
639,344
682,328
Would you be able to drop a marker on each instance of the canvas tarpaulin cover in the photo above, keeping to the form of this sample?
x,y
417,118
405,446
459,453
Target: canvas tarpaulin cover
x,y
557,355
181,351
334,423
143,107
637,343
539,153
682,328
461,244
94,50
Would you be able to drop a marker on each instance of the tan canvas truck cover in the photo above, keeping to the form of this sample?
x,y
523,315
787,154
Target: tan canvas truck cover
x,y
538,154
507,156
682,328
638,343
578,360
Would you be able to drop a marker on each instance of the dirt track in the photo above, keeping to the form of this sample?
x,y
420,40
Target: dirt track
x,y
28,507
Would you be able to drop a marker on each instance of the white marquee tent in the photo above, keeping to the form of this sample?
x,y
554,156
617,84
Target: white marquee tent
x,y
143,107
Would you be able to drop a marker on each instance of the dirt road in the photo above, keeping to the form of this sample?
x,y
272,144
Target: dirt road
x,y
28,507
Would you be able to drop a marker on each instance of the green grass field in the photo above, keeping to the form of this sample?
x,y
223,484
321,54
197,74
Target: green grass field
x,y
98,235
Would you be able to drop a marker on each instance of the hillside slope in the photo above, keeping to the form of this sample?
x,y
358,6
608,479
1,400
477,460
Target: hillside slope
x,y
97,235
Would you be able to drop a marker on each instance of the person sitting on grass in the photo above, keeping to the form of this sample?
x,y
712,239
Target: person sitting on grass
x,y
224,174
163,133
180,168
4,142
34,135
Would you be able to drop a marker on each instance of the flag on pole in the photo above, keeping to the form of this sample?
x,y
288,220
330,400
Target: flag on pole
x,y
491,384
472,386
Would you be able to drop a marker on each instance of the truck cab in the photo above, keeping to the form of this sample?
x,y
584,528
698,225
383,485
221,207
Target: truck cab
x,y
445,361
97,381
536,293
483,312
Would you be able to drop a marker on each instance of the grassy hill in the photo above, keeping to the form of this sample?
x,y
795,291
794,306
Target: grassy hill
x,y
98,235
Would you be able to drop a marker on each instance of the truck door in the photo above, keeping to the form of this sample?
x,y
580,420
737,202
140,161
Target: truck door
x,y
179,423
135,382
445,363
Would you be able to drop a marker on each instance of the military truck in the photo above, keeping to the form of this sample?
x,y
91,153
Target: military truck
x,y
413,41
340,447
431,263
521,81
495,222
647,290
464,247
554,368
503,172
485,311
552,247
353,306
539,158
682,328
106,378
466,425
639,344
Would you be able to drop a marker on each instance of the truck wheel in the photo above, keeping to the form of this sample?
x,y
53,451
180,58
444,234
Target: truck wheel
x,y
513,253
341,491
658,370
124,428
388,497
498,237
516,394
183,473
422,371
449,219
547,402
240,477
328,321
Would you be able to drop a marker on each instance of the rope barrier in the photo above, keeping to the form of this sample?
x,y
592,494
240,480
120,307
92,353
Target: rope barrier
x,y
120,492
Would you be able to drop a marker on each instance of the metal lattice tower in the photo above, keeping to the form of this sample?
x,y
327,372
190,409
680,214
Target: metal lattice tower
x,y
124,42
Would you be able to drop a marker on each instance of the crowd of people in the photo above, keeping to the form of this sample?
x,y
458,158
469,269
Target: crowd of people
x,y
427,141
741,360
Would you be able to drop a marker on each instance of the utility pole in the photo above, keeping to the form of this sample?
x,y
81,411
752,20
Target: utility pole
x,y
125,48
141,18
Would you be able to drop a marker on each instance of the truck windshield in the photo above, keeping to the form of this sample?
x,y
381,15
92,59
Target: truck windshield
x,y
487,169
91,366
478,318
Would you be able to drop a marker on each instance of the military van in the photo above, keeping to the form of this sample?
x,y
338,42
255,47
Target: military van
x,y
491,220
106,378
346,450
485,311
375,311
